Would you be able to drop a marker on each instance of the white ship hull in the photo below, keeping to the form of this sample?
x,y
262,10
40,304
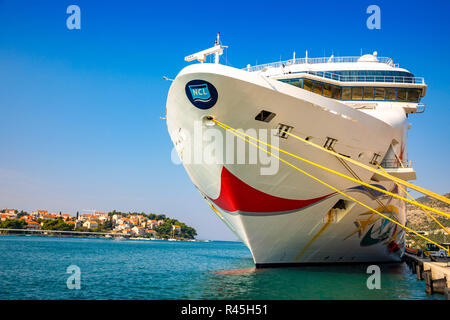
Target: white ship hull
x,y
286,218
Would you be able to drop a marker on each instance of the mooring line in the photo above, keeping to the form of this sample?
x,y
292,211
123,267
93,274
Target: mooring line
x,y
242,136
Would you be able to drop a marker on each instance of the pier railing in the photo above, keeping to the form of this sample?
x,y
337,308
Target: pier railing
x,y
64,232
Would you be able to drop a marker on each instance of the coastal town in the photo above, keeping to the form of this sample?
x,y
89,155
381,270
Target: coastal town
x,y
116,223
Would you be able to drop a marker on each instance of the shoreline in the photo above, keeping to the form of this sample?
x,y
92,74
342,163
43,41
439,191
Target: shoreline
x,y
120,237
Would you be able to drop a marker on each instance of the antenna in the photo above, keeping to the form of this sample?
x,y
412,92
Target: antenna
x,y
217,50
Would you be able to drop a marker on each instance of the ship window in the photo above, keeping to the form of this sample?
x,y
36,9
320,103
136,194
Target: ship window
x,y
368,93
327,90
296,82
307,85
379,93
346,93
265,116
401,94
317,87
335,92
282,129
413,95
390,94
357,93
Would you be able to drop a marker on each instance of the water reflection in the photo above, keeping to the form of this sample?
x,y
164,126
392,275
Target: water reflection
x,y
318,282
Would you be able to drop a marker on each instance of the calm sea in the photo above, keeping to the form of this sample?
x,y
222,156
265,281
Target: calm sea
x,y
33,267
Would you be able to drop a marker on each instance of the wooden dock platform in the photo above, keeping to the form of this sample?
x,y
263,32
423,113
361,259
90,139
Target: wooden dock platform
x,y
436,274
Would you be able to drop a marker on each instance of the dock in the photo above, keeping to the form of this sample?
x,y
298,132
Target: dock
x,y
435,274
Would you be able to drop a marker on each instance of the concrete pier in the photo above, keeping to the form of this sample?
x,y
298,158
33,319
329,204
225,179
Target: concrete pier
x,y
435,274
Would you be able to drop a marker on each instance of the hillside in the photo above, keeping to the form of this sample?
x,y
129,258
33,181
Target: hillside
x,y
418,220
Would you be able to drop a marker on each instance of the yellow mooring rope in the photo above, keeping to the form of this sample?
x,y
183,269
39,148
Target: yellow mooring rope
x,y
384,174
429,214
242,136
425,207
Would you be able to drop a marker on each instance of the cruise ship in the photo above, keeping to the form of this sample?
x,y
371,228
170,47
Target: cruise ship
x,y
357,107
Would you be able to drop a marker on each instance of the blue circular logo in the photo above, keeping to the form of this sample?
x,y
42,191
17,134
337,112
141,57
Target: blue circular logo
x,y
201,93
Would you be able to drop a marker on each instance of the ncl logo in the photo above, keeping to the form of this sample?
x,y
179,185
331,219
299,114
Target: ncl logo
x,y
200,92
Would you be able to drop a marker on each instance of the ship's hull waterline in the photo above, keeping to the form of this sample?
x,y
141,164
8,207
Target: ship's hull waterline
x,y
282,215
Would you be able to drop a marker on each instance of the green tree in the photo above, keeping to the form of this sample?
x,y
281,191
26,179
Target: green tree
x,y
13,224
57,224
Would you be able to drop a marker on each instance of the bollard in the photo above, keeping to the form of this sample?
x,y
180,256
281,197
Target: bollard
x,y
428,281
439,285
447,294
419,269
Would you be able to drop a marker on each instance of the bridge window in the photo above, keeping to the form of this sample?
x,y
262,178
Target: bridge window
x,y
379,93
390,94
357,93
336,92
346,93
307,85
327,90
317,87
368,93
296,82
413,95
401,94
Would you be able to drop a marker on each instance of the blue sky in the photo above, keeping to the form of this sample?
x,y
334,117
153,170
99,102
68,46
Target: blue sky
x,y
80,109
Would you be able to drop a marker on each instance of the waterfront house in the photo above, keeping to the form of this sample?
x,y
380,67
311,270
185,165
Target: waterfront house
x,y
87,217
126,231
39,213
27,218
134,221
176,228
152,224
66,216
33,225
49,217
152,233
139,231
10,213
90,224
101,216
75,224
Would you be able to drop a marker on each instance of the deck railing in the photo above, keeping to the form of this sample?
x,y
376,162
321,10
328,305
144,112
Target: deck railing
x,y
394,163
285,63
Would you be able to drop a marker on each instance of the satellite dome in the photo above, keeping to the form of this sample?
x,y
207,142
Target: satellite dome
x,y
369,58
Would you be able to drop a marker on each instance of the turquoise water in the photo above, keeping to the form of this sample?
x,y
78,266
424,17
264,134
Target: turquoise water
x,y
35,268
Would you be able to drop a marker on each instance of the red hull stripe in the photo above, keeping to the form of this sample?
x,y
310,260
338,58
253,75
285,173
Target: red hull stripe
x,y
236,195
